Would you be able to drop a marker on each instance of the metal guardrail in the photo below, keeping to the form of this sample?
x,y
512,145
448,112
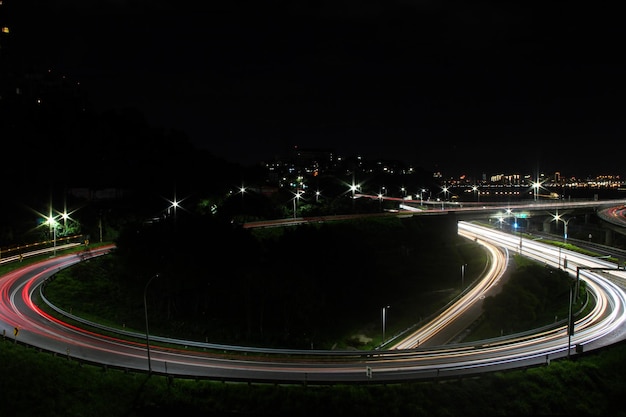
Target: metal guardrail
x,y
29,254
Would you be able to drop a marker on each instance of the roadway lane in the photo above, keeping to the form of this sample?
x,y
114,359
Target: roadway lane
x,y
602,326
615,215
457,317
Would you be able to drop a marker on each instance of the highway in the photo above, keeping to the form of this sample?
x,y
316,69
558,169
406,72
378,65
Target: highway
x,y
411,358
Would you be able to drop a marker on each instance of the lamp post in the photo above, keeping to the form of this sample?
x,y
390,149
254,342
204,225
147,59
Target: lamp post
x,y
145,308
295,206
380,200
242,190
353,189
463,276
53,225
570,323
536,186
54,244
445,192
384,313
517,226
174,204
557,217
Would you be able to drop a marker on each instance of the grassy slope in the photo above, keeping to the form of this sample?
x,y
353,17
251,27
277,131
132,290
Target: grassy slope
x,y
34,382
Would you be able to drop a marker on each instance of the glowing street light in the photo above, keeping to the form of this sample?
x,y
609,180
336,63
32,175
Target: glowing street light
x,y
517,226
52,222
173,206
535,186
445,192
557,217
242,190
296,197
353,188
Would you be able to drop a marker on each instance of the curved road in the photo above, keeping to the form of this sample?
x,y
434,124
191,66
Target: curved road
x,y
614,215
406,360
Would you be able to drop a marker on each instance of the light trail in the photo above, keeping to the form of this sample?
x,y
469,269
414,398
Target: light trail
x,y
498,265
602,326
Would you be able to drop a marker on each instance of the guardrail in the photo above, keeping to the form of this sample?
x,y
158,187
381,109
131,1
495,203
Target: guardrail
x,y
29,254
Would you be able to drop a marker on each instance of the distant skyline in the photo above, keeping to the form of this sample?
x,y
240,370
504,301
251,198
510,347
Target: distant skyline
x,y
461,88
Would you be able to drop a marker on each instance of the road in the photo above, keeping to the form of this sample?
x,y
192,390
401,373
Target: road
x,y
615,215
457,317
407,360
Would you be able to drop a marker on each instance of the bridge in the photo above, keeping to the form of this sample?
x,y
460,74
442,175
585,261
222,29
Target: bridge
x,y
538,215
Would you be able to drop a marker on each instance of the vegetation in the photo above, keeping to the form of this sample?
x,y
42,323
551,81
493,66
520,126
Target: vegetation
x,y
533,296
318,286
37,382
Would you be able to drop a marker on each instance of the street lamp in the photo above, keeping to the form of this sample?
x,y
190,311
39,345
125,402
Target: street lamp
x,y
295,206
384,313
463,275
445,191
353,188
242,190
380,199
536,185
516,226
53,225
174,206
557,217
145,307
477,192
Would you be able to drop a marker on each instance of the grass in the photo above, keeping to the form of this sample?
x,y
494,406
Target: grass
x,y
34,382
38,383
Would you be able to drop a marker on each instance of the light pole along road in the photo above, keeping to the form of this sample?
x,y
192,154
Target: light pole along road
x,y
406,360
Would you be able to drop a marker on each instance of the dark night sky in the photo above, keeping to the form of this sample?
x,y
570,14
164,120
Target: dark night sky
x,y
468,87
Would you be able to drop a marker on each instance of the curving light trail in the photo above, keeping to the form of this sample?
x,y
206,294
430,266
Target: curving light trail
x,y
497,267
600,327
